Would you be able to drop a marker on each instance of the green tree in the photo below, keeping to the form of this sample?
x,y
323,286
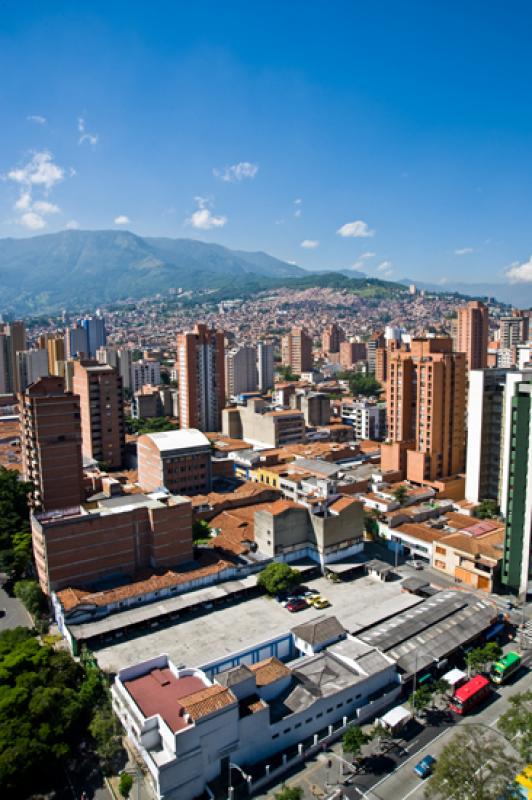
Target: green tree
x,y
371,525
420,699
150,425
285,373
487,509
14,520
440,688
201,531
479,658
289,793
361,384
22,551
400,494
107,734
125,784
516,724
472,766
29,592
353,739
277,577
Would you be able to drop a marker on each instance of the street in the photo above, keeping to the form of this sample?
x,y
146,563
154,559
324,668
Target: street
x,y
16,615
390,776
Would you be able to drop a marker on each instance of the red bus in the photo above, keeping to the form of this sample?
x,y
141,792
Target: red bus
x,y
470,694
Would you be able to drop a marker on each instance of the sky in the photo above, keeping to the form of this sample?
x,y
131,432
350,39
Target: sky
x,y
389,137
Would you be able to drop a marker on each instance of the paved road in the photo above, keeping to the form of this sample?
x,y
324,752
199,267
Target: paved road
x,y
401,783
16,614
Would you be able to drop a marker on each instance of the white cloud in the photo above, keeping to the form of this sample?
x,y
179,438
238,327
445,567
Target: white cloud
x,y
367,254
37,118
39,171
520,273
357,265
91,138
72,225
44,207
203,218
385,268
298,211
24,202
463,251
237,172
32,221
122,219
356,230
310,244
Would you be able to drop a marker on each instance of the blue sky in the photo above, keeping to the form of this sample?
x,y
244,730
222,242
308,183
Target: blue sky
x,y
392,136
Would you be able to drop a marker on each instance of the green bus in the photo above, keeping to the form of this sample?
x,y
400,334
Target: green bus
x,y
508,664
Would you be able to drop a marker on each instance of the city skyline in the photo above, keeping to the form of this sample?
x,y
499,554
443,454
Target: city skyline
x,y
392,142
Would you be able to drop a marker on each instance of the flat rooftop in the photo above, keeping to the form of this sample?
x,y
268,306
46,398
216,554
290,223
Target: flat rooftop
x,y
181,439
159,692
203,638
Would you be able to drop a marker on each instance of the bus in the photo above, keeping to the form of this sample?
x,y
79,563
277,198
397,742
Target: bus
x,y
501,670
470,694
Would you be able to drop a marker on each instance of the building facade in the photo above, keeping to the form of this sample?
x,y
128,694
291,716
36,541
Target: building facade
x,y
200,358
146,372
240,371
264,366
50,431
332,338
473,322
179,461
425,408
296,350
99,387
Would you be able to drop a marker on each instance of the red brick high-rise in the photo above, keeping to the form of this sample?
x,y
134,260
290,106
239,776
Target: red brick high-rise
x,y
332,338
201,370
425,408
51,444
296,350
99,387
473,322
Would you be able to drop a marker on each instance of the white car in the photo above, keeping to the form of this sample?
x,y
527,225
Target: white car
x,y
415,564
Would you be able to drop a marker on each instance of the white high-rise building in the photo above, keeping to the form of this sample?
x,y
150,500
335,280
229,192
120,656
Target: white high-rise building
x,y
240,371
30,366
265,365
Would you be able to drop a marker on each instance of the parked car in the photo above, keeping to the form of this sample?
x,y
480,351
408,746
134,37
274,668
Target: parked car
x,y
415,563
425,767
296,604
320,602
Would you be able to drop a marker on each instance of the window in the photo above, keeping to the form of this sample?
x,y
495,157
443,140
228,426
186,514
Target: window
x,y
329,710
287,730
275,736
319,715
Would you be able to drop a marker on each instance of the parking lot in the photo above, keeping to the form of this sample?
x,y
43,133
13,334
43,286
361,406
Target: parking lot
x,y
204,637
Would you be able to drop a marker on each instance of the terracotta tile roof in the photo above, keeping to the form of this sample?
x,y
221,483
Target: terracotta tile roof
x,y
342,503
210,563
207,701
269,671
422,532
489,545
280,506
251,705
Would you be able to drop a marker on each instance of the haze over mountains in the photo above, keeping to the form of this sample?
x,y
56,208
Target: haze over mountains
x,y
83,269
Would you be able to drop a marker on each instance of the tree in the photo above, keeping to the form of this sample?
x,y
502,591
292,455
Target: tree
x,y
14,519
150,425
277,577
400,494
353,739
421,699
201,531
371,525
361,384
125,784
29,592
478,658
285,373
107,734
487,509
289,793
516,724
440,688
472,766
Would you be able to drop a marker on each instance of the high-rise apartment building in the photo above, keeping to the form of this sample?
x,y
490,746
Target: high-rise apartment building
x,y
76,342
485,431
296,350
514,329
264,365
516,570
425,401
12,341
351,352
51,444
30,365
55,350
375,342
200,358
96,333
119,357
146,372
240,371
473,325
332,338
99,387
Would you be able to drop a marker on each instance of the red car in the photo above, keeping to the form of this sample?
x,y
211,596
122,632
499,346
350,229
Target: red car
x,y
296,605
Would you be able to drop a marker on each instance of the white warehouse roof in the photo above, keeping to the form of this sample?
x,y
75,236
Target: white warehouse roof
x,y
182,439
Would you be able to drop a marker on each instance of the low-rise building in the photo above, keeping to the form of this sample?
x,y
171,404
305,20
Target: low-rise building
x,y
263,426
179,461
77,547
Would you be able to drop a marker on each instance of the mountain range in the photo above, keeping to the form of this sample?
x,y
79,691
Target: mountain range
x,y
80,270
